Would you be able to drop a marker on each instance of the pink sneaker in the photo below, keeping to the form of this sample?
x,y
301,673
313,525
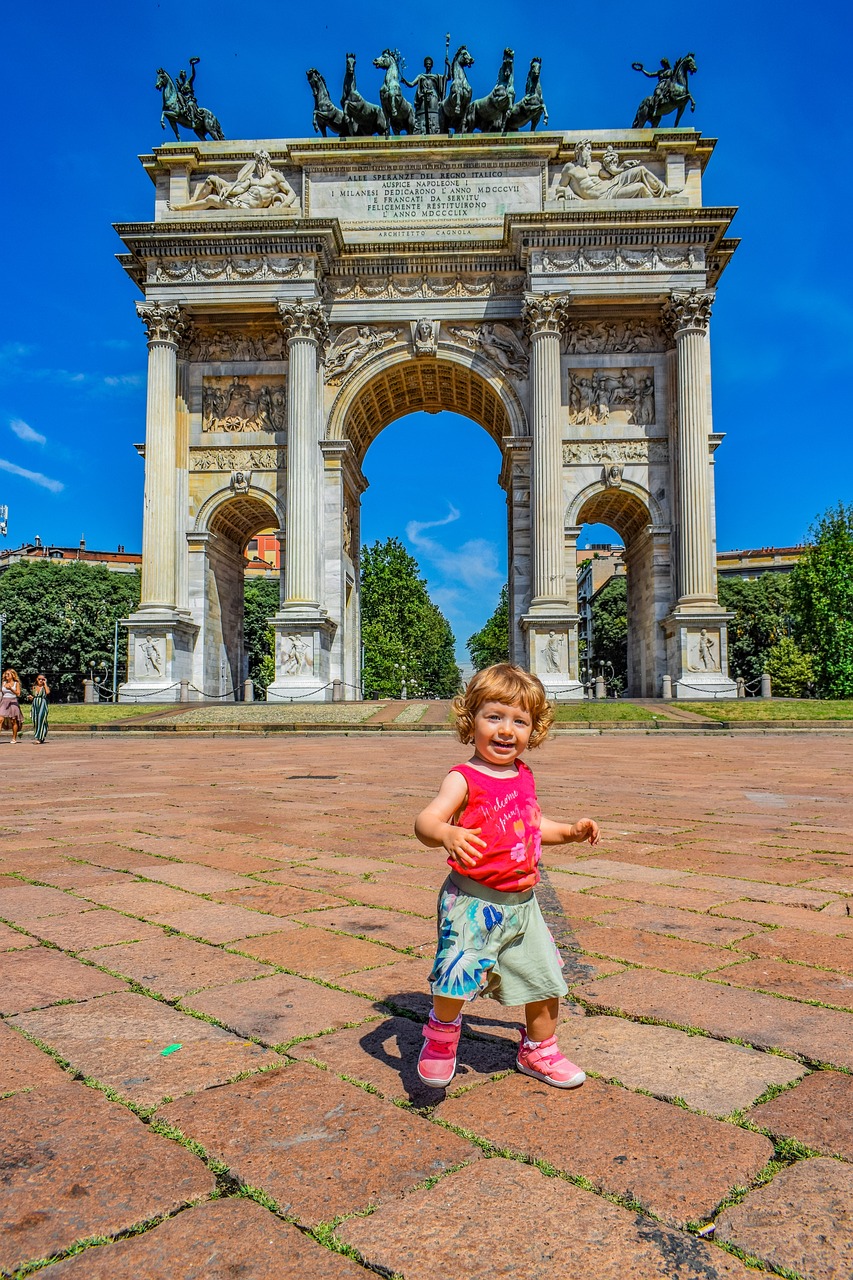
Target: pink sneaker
x,y
437,1061
545,1062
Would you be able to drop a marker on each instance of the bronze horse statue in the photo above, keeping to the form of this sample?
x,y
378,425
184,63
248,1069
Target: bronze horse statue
x,y
364,118
399,113
531,108
454,109
175,111
326,114
672,93
489,114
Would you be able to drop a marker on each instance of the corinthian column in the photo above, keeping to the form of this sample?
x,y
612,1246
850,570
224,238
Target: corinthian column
x,y
688,315
165,326
544,316
306,328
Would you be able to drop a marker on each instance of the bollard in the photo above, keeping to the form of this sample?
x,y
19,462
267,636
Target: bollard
x,y
741,687
89,691
185,691
766,686
248,689
600,687
337,691
666,687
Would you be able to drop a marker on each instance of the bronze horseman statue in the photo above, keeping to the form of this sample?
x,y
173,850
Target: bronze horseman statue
x,y
671,92
180,106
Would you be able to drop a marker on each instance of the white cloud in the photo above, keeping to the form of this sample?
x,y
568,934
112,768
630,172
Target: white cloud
x,y
24,431
55,486
415,527
473,565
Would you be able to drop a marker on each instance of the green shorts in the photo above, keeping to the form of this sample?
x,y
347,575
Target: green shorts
x,y
493,944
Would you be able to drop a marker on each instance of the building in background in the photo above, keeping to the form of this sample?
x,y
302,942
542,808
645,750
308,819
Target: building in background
x,y
119,561
597,564
752,564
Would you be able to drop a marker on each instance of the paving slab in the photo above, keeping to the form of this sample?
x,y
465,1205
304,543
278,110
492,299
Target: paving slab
x,y
674,1163
315,953
241,861
727,889
220,1240
186,875
11,940
118,1040
79,875
764,1021
796,917
281,1008
32,979
213,922
319,1146
20,902
793,944
375,925
385,1055
795,980
117,857
145,898
399,897
818,1113
476,1223
24,1066
279,900
172,966
651,950
709,1075
77,1165
661,895
690,925
96,927
802,1220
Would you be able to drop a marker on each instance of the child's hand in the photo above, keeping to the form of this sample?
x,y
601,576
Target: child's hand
x,y
586,829
461,842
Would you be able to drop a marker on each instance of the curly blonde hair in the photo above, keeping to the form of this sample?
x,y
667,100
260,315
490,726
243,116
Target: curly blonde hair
x,y
510,685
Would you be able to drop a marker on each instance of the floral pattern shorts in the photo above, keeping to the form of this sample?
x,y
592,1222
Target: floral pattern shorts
x,y
493,944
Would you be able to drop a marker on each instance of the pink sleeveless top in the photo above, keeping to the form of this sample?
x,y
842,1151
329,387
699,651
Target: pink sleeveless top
x,y
506,811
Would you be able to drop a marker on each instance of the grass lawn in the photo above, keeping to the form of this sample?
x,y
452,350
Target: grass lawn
x,y
608,709
735,710
98,712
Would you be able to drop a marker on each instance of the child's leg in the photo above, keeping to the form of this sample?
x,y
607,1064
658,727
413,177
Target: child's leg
x,y
541,1018
447,1010
539,1055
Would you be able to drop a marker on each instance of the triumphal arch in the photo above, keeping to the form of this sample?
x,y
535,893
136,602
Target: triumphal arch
x,y
300,295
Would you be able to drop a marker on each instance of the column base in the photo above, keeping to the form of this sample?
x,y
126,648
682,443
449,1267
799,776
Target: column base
x,y
697,654
552,651
303,642
160,643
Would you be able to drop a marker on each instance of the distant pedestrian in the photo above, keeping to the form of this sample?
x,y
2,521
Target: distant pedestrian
x,y
38,711
492,939
10,705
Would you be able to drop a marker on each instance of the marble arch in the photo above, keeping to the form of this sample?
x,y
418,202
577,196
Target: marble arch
x,y
472,273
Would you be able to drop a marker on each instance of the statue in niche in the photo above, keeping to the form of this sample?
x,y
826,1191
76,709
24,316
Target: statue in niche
x,y
425,337
429,91
671,92
257,186
346,531
645,413
553,652
180,106
151,656
353,346
583,179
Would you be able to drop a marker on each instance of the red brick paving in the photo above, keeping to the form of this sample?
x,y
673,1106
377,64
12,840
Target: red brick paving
x,y
745,878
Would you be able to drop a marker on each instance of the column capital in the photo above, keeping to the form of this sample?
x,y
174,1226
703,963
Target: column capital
x,y
687,312
302,319
164,323
545,313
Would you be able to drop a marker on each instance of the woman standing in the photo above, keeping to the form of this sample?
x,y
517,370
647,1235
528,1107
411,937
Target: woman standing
x,y
38,713
10,708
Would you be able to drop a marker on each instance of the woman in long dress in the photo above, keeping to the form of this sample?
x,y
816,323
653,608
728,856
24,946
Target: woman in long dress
x,y
10,707
38,713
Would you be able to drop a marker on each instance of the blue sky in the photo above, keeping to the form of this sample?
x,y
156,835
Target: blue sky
x,y
80,106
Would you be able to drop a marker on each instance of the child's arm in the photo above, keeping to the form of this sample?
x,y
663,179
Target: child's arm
x,y
569,832
434,828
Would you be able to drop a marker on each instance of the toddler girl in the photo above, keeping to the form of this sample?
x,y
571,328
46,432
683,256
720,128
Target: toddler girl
x,y
492,939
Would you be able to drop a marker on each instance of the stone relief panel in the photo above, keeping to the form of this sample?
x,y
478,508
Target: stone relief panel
x,y
353,288
297,655
584,261
257,185
608,178
703,650
617,452
243,404
241,459
232,344
594,337
149,658
600,396
224,270
497,343
553,658
352,347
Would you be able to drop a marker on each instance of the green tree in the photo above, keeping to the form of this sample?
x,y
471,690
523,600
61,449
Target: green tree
x,y
260,602
822,593
792,672
60,620
610,629
490,644
403,632
763,612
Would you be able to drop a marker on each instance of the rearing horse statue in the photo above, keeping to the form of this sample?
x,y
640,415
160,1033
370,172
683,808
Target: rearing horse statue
x,y
454,109
672,92
399,113
326,114
489,114
203,123
531,108
364,118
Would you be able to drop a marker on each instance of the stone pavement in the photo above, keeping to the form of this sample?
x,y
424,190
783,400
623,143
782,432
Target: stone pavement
x,y
213,960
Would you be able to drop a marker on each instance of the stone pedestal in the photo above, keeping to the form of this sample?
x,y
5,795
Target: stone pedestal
x,y
303,644
159,656
552,644
697,654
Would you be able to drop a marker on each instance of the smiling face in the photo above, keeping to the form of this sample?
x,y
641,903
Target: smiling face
x,y
501,732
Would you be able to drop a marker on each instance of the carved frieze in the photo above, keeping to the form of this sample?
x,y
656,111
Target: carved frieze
x,y
497,343
243,404
584,261
597,337
237,345
237,460
352,346
238,270
354,288
598,396
617,452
